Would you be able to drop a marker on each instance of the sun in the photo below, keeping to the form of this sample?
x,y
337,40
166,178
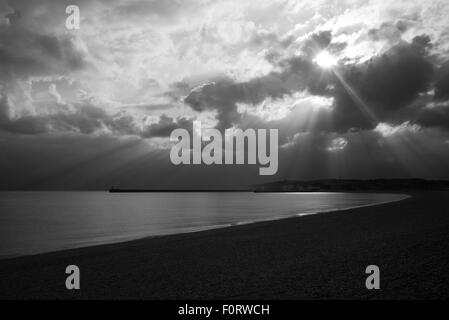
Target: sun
x,y
325,60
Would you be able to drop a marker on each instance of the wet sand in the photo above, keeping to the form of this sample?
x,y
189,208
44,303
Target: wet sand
x,y
321,256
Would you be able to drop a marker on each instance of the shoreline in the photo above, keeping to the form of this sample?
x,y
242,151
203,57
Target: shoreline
x,y
318,256
215,227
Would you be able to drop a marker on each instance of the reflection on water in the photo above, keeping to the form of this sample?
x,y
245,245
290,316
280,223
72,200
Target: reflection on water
x,y
34,222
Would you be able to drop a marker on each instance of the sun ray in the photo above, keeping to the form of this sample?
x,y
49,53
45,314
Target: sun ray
x,y
359,102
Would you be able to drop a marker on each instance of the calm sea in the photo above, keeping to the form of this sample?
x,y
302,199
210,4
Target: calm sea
x,y
36,222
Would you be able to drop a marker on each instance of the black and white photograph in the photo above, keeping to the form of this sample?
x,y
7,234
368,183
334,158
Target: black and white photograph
x,y
224,150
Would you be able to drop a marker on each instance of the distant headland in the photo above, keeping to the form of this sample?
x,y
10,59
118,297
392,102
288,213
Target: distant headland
x,y
354,185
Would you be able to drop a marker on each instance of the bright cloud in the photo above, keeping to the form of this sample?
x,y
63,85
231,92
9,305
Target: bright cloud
x,y
337,144
387,130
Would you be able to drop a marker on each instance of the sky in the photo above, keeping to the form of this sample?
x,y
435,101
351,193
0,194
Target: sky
x,y
357,89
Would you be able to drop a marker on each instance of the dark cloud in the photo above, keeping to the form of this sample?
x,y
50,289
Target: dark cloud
x,y
364,94
434,116
84,119
24,53
25,125
165,126
223,96
442,83
385,85
89,119
148,107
